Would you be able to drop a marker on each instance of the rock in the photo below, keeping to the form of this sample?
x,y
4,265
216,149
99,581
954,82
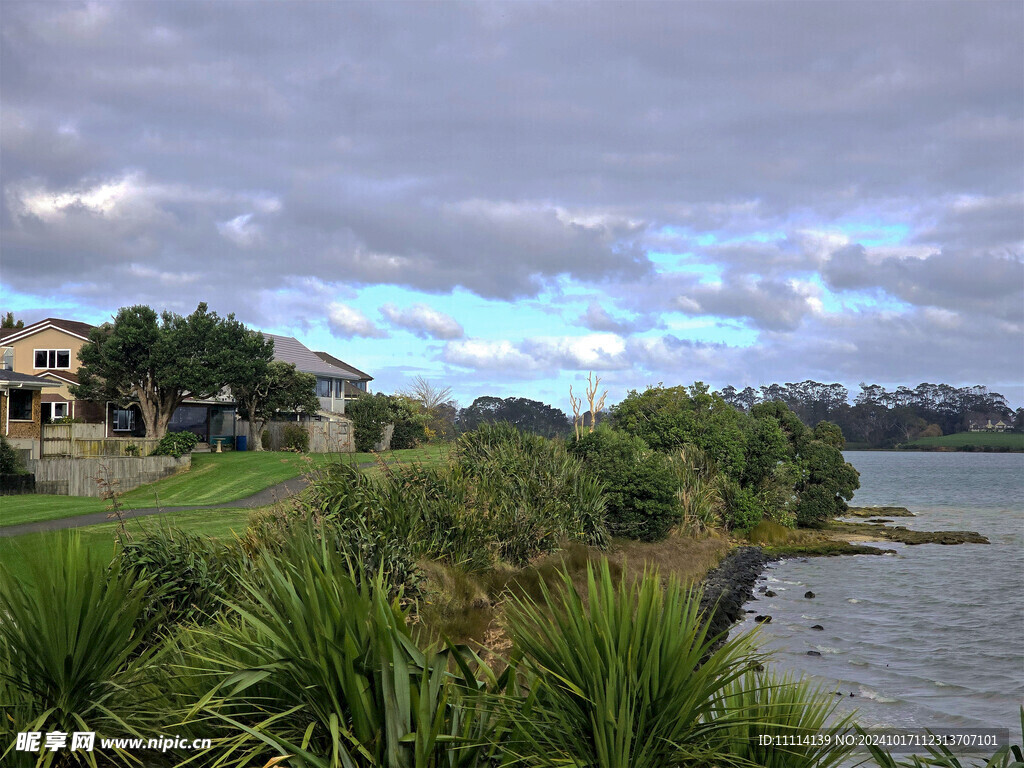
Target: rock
x,y
809,595
818,628
762,588
814,653
876,511
750,610
769,593
763,619
729,586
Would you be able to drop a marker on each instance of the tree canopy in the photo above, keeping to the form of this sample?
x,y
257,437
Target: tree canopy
x,y
160,360
524,414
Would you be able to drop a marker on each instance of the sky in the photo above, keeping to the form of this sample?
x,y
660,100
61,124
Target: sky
x,y
502,197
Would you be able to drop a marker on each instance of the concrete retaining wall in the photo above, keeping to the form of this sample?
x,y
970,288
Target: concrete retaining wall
x,y
80,477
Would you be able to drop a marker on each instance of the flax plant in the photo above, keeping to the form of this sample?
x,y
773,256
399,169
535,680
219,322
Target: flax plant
x,y
621,675
72,656
319,665
762,705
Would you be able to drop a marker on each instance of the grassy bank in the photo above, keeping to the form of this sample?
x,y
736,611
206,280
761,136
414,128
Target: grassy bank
x,y
215,478
970,441
16,553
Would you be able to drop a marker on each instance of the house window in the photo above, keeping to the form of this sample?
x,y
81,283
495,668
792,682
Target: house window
x,y
124,419
8,359
54,411
323,387
21,405
53,358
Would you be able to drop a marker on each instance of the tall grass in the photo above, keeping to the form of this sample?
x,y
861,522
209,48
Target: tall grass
x,y
505,497
698,494
622,675
71,651
319,665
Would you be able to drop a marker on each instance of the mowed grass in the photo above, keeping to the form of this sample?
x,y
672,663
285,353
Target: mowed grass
x,y
215,478
1013,441
16,552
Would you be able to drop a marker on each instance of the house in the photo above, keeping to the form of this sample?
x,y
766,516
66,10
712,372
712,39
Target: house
x,y
21,409
49,349
335,383
354,388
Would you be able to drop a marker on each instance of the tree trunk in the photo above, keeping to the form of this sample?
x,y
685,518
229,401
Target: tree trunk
x,y
255,434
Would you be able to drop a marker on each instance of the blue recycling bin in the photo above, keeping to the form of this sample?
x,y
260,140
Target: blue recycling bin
x,y
241,442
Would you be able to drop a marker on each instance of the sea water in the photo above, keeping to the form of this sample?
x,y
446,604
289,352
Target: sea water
x,y
933,636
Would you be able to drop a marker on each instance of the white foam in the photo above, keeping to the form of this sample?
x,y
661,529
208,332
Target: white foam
x,y
867,693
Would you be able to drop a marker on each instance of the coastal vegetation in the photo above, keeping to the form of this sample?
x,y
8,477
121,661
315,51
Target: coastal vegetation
x,y
517,600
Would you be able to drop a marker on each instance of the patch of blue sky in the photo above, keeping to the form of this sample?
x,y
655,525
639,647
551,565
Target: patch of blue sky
x,y
56,306
873,234
864,300
712,330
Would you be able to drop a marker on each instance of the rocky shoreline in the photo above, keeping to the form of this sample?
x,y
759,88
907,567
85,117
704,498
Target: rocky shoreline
x,y
729,586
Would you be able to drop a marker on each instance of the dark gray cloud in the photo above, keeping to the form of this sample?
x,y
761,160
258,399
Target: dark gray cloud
x,y
281,156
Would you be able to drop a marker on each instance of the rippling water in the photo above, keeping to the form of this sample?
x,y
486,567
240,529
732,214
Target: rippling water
x,y
934,635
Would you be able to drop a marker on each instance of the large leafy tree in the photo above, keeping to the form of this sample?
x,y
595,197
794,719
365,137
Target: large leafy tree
x,y
265,390
524,414
158,360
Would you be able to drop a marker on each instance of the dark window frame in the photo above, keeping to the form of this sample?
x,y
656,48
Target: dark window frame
x,y
17,415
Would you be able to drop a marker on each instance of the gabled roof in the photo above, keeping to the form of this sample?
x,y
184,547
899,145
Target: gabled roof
x,y
68,376
24,380
75,328
290,350
343,365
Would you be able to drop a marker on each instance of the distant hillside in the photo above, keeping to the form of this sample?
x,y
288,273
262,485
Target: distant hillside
x,y
982,441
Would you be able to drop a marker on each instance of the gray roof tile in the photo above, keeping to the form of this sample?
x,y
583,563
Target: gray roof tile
x,y
290,350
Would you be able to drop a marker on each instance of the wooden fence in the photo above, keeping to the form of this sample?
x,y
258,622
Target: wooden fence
x,y
86,441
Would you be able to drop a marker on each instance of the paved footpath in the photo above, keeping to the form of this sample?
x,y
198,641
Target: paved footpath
x,y
265,497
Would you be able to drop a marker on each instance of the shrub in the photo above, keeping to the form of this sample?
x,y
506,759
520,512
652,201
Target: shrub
x,y
71,650
265,440
10,462
743,510
132,450
176,444
192,572
295,437
369,414
639,483
320,665
506,497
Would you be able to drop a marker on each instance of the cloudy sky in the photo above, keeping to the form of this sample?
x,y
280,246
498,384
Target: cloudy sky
x,y
501,197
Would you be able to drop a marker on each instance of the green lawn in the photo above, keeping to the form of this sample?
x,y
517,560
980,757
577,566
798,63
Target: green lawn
x,y
16,552
214,478
1013,441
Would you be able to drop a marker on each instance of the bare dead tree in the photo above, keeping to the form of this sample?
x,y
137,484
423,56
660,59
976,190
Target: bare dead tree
x,y
592,386
577,417
427,394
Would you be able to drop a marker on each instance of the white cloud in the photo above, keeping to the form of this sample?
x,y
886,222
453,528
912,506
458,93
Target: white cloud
x,y
346,322
240,230
423,321
486,354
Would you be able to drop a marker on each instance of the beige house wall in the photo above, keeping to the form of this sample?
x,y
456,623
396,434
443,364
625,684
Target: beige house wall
x,y
50,338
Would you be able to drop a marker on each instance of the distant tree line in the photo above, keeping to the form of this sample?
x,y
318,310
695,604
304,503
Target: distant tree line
x,y
882,418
